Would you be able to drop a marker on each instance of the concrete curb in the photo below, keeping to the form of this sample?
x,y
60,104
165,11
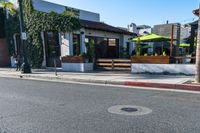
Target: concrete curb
x,y
111,82
164,85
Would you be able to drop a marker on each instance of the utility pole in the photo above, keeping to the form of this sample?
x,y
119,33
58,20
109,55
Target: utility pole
x,y
172,40
197,77
26,67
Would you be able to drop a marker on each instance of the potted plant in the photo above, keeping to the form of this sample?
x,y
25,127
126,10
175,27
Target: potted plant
x,y
90,51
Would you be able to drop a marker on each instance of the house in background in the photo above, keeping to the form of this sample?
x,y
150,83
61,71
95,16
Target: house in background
x,y
185,31
109,41
132,28
144,29
4,53
139,30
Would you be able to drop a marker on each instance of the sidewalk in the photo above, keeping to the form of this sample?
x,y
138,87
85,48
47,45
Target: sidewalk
x,y
108,77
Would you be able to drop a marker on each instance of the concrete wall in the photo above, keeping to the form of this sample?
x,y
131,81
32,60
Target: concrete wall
x,y
165,30
188,69
45,6
185,32
77,67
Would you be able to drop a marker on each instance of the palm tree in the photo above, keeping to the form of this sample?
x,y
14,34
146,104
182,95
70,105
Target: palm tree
x,y
197,77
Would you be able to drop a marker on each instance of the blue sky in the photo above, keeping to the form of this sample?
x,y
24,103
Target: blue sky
x,y
149,12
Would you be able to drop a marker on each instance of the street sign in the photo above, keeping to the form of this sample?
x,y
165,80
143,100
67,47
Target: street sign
x,y
24,36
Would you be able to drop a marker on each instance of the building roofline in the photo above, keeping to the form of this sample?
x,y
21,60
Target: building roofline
x,y
69,7
103,27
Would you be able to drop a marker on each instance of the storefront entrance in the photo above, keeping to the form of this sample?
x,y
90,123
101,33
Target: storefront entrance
x,y
105,47
52,48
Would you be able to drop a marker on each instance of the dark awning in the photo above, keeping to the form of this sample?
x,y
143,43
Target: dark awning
x,y
103,27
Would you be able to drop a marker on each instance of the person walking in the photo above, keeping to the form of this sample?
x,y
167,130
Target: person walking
x,y
18,63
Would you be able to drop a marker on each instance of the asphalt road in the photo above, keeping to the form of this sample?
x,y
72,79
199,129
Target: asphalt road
x,y
45,107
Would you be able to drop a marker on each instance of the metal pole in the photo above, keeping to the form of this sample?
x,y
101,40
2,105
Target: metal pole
x,y
26,67
54,61
172,41
55,67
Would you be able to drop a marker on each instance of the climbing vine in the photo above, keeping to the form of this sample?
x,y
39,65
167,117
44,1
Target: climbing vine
x,y
37,22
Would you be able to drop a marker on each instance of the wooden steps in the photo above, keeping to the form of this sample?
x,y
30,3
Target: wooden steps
x,y
113,64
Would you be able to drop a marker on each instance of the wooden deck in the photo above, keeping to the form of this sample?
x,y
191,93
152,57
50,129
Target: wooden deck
x,y
113,64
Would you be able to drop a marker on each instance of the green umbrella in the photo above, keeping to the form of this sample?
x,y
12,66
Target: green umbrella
x,y
184,45
151,38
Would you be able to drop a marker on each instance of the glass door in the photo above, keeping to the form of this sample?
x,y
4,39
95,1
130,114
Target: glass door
x,y
52,48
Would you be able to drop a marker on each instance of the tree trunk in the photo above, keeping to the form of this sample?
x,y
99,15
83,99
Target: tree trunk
x,y
197,77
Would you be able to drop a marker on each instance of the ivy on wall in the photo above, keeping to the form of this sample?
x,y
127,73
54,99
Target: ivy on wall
x,y
37,22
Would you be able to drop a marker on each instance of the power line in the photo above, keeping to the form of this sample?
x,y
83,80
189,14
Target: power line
x,y
188,20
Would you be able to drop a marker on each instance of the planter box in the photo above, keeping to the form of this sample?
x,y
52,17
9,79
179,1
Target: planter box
x,y
73,59
151,59
77,67
76,64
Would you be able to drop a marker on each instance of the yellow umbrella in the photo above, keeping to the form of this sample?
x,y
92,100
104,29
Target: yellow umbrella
x,y
184,45
151,38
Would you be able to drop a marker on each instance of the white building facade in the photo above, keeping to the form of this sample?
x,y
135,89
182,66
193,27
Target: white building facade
x,y
109,40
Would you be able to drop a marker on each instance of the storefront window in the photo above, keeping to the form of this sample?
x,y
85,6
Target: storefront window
x,y
113,48
105,47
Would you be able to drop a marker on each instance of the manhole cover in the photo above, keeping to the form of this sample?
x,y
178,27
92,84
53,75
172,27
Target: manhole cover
x,y
129,110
